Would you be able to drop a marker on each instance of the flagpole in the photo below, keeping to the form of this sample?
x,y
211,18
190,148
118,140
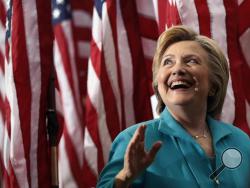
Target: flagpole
x,y
53,128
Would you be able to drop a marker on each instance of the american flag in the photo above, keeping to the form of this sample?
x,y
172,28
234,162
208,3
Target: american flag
x,y
244,41
116,93
124,35
119,72
225,21
72,22
3,7
27,68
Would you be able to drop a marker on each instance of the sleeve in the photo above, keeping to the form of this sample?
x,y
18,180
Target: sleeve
x,y
115,163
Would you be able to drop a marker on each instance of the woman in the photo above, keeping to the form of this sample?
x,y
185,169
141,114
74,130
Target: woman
x,y
190,76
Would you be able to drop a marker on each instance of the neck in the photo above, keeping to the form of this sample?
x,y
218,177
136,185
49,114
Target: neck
x,y
192,119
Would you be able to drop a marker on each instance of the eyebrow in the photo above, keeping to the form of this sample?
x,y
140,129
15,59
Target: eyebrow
x,y
184,57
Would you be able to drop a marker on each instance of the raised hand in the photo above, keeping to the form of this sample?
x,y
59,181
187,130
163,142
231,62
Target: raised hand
x,y
136,158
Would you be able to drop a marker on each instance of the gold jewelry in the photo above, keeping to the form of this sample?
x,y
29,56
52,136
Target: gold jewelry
x,y
204,135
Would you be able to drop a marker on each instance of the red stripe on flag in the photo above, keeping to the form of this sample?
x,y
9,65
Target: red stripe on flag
x,y
46,57
244,22
112,117
148,67
31,100
82,5
2,169
63,48
92,124
2,110
2,12
141,100
21,77
168,15
89,178
148,27
12,180
83,33
204,17
73,158
236,63
2,62
162,4
111,9
7,117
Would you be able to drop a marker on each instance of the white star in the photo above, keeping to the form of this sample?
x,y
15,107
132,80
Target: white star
x,y
59,1
56,13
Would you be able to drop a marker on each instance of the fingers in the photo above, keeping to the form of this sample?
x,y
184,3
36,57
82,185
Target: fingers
x,y
152,153
139,135
136,144
136,158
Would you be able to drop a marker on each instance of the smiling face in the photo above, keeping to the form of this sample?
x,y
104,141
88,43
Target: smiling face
x,y
183,75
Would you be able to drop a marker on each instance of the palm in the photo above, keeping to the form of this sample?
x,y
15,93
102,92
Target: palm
x,y
136,158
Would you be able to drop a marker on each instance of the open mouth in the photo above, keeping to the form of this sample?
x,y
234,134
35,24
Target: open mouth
x,y
180,84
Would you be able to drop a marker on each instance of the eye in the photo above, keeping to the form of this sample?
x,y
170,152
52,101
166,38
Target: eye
x,y
192,61
167,61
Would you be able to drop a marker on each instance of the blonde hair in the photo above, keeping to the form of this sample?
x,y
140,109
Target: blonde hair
x,y
218,65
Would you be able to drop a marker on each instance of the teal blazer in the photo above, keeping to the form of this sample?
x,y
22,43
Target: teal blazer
x,y
181,162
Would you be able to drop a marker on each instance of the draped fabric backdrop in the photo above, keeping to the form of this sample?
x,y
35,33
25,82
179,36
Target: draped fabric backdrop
x,y
102,52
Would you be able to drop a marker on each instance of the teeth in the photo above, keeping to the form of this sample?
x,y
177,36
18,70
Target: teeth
x,y
179,83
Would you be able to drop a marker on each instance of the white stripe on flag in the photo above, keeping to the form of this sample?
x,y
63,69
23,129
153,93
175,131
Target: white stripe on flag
x,y
155,5
110,60
248,113
2,86
219,33
69,37
240,1
2,38
126,66
218,23
33,46
145,8
71,117
90,152
82,19
84,47
149,47
244,43
97,30
59,107
66,179
6,150
16,142
96,98
189,15
5,3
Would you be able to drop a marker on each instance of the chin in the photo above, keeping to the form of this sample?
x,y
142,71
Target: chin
x,y
180,102
185,100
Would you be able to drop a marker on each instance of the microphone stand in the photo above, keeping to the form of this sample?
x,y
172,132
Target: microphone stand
x,y
53,127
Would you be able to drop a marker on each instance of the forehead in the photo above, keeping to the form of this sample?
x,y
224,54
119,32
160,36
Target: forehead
x,y
183,48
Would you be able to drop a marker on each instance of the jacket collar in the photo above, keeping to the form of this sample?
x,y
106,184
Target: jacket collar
x,y
168,125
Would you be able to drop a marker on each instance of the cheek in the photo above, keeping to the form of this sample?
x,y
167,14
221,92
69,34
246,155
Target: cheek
x,y
162,76
204,81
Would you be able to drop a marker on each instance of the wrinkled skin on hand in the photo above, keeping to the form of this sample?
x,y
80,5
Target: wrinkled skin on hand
x,y
136,158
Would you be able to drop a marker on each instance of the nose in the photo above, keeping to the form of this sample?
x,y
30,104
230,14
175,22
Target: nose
x,y
179,70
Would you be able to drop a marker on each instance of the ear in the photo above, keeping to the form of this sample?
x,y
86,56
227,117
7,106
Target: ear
x,y
212,92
